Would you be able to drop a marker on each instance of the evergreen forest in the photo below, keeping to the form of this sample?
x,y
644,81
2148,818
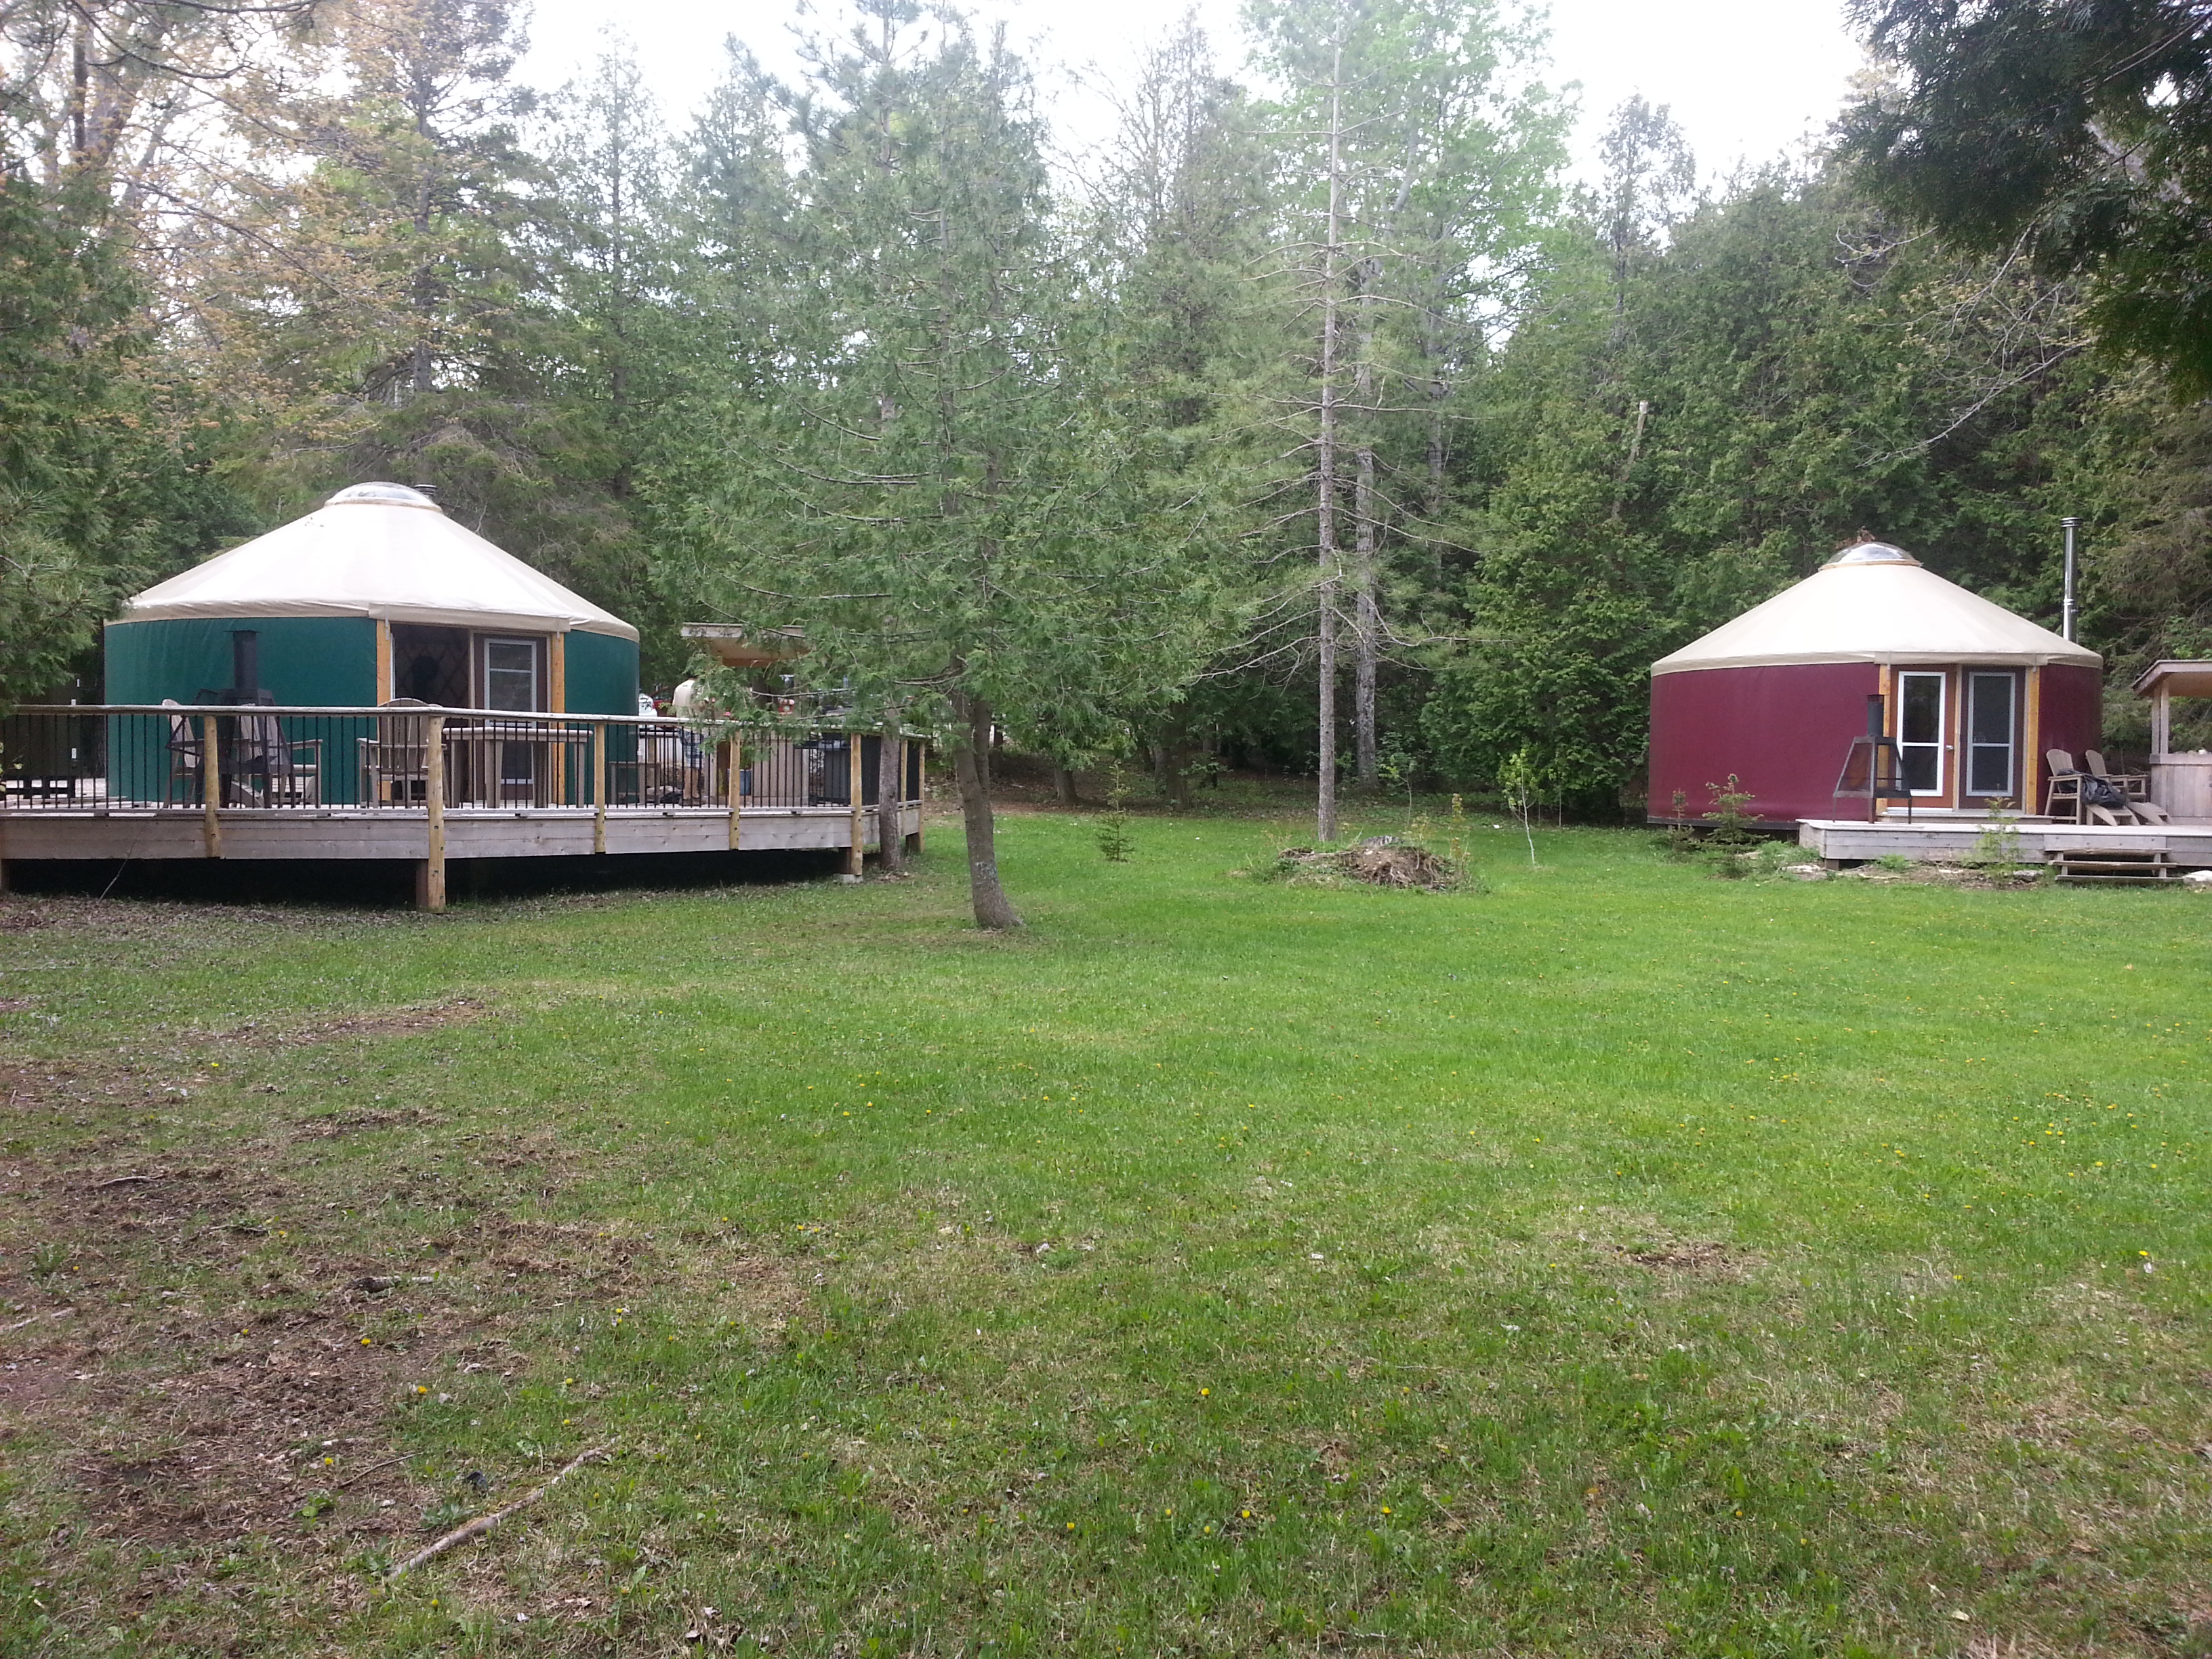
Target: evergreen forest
x,y
1316,421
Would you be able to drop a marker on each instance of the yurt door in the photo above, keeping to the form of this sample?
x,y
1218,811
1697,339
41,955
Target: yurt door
x,y
513,680
1991,723
1920,728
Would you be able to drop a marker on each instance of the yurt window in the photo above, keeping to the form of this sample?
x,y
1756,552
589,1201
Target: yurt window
x,y
1920,731
1990,724
511,674
430,665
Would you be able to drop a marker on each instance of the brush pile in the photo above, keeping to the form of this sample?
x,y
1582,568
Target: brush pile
x,y
1378,861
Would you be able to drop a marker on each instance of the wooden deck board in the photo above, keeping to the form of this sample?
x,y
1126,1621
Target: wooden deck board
x,y
399,834
2188,845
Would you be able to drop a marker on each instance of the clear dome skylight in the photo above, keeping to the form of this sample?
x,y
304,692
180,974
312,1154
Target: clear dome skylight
x,y
384,494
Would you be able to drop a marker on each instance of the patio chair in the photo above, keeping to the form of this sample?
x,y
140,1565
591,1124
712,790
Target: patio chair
x,y
2133,784
2064,788
395,764
264,752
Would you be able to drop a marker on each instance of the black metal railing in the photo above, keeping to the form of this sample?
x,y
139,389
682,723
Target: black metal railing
x,y
116,757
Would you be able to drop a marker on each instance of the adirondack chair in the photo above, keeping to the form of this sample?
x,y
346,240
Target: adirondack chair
x,y
289,772
395,764
2133,784
2064,788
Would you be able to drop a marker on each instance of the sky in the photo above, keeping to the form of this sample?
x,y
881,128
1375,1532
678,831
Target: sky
x,y
1745,79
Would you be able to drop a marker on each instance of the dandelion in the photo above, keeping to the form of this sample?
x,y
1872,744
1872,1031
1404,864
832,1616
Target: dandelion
x,y
1203,1392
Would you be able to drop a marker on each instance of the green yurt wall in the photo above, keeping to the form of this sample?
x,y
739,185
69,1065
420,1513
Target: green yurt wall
x,y
306,661
602,674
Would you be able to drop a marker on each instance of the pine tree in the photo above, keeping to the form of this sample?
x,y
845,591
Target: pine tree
x,y
927,490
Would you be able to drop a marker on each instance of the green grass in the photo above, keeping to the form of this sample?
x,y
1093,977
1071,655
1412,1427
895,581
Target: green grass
x,y
1615,1262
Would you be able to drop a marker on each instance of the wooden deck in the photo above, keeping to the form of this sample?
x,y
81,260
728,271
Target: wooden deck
x,y
249,781
400,833
2188,846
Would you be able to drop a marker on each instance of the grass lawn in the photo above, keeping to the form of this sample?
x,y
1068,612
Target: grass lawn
x,y
1616,1262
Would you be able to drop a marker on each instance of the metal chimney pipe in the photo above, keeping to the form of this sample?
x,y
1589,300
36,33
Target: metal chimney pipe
x,y
245,663
2067,611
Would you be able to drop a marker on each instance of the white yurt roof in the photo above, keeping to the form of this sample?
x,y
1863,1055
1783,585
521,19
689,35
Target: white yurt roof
x,y
377,549
1876,603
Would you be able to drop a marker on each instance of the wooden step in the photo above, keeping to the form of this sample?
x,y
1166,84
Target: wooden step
x,y
2133,869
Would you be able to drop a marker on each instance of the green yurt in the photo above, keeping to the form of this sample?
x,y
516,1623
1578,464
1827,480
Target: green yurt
x,y
375,595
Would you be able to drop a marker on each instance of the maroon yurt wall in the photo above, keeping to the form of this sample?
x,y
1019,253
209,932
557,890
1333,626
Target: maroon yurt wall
x,y
2071,715
1783,731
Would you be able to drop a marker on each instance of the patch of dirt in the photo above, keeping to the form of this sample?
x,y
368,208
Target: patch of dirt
x,y
392,1022
1948,875
206,1352
1382,861
1700,1256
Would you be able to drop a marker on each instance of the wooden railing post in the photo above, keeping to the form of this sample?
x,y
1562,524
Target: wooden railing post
x,y
920,790
735,749
857,851
433,895
210,785
598,785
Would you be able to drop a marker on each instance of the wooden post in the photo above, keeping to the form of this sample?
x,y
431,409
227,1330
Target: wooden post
x,y
2031,744
857,851
210,785
735,751
431,895
920,790
598,785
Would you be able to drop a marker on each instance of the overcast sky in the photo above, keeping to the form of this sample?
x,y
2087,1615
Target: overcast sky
x,y
1747,79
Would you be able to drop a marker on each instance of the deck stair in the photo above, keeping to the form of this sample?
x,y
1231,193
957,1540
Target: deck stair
x,y
2111,865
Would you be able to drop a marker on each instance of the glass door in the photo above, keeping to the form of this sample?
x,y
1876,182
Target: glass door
x,y
511,682
1990,718
511,675
1920,699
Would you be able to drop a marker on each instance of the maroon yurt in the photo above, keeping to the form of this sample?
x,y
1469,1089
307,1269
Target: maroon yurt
x,y
1970,694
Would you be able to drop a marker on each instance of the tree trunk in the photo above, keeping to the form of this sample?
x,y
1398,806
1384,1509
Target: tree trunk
x,y
1175,757
1325,469
971,767
890,787
1366,624
1367,611
1063,783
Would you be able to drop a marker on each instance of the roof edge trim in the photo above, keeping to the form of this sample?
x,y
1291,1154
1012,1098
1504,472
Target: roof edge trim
x,y
1890,659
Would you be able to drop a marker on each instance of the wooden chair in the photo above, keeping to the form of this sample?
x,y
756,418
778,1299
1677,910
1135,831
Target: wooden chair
x,y
395,764
263,752
2133,784
2064,788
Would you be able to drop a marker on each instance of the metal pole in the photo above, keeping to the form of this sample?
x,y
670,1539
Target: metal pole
x,y
2066,613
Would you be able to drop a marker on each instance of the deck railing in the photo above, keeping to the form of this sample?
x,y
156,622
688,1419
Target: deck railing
x,y
268,758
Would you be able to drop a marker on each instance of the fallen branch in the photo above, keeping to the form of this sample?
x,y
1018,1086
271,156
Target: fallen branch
x,y
129,1181
363,1474
484,1523
35,1318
